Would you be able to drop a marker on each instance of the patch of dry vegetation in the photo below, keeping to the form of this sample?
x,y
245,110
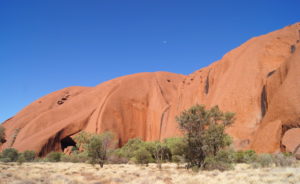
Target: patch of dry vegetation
x,y
80,173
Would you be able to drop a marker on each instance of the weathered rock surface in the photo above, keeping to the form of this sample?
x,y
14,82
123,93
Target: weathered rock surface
x,y
259,81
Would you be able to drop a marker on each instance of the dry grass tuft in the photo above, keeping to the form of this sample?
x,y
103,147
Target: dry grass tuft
x,y
80,173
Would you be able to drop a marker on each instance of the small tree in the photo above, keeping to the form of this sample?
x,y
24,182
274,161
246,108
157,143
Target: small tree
x,y
2,135
99,146
204,132
159,151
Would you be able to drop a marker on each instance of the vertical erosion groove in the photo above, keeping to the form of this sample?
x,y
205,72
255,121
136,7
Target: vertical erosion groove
x,y
165,109
264,102
206,87
51,145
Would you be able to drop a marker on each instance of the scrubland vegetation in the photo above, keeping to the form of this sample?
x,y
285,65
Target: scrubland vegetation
x,y
203,154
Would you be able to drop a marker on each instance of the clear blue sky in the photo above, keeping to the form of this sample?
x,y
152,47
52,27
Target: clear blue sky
x,y
46,45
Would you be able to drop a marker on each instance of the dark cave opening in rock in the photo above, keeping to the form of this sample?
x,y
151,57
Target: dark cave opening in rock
x,y
67,141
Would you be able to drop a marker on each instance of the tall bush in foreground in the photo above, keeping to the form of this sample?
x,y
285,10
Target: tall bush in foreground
x,y
99,146
204,131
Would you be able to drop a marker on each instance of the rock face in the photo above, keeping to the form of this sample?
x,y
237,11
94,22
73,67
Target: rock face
x,y
259,81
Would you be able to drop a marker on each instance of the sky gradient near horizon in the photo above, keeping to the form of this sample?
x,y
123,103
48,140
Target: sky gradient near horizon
x,y
52,44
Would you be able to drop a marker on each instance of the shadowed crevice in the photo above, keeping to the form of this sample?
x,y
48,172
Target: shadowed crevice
x,y
66,142
263,102
271,73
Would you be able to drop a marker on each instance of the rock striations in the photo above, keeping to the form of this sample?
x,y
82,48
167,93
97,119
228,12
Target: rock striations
x,y
259,81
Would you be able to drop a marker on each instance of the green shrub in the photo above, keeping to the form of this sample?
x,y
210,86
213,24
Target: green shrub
x,y
225,156
28,155
9,155
248,156
176,145
54,156
140,152
129,148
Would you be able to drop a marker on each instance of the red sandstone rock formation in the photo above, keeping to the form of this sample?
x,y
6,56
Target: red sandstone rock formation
x,y
259,81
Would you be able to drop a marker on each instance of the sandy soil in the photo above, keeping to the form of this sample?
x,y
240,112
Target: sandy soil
x,y
79,173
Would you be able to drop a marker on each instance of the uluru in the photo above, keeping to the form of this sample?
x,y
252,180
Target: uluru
x,y
259,81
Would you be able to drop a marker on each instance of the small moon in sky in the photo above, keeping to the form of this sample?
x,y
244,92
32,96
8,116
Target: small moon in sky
x,y
164,42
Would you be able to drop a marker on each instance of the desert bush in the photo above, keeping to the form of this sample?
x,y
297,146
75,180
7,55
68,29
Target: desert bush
x,y
204,132
215,163
28,155
248,156
54,156
226,156
221,161
75,157
282,160
137,151
176,146
264,160
129,148
9,155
